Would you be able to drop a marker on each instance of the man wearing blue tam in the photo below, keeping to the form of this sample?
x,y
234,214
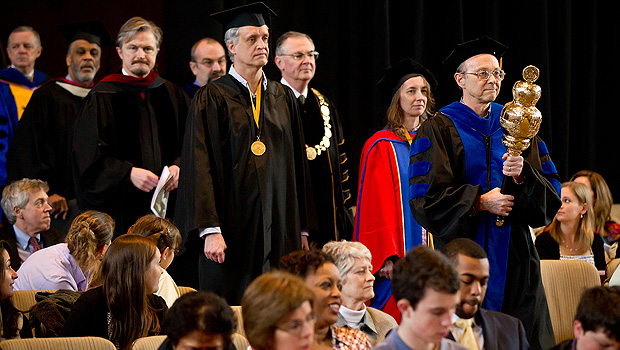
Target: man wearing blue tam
x,y
458,163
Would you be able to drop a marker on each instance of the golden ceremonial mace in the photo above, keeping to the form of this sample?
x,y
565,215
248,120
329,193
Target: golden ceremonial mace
x,y
520,118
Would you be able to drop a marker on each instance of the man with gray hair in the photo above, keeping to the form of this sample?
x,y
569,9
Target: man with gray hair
x,y
130,128
243,180
25,206
353,260
296,58
23,49
208,63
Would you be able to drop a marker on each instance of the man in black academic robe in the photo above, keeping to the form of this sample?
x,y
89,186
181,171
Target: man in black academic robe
x,y
458,163
327,160
242,182
131,126
41,148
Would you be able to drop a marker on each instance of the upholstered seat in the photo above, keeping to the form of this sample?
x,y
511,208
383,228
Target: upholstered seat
x,y
76,343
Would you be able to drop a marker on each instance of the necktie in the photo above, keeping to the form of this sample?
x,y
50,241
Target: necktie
x,y
302,99
34,244
467,339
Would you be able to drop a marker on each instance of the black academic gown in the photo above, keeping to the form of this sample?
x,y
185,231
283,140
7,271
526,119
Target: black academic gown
x,y
447,154
126,124
329,175
259,202
41,148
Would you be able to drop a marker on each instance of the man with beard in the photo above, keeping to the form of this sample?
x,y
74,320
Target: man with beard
x,y
296,58
458,164
208,63
243,182
45,132
130,127
475,327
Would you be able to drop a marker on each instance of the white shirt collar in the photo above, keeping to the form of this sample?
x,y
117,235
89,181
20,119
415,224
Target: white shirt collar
x,y
22,237
240,79
29,75
297,93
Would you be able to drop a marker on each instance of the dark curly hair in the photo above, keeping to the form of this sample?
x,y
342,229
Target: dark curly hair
x,y
199,311
599,309
304,262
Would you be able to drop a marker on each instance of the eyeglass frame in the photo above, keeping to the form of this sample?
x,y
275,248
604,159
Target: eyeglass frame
x,y
298,56
499,75
298,328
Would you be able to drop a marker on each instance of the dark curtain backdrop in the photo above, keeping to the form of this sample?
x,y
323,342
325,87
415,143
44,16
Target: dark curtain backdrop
x,y
573,43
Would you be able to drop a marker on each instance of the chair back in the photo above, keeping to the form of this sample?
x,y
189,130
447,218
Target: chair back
x,y
185,290
148,343
612,266
24,300
74,343
564,282
239,317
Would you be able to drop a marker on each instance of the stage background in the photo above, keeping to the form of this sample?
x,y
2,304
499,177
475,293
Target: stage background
x,y
573,43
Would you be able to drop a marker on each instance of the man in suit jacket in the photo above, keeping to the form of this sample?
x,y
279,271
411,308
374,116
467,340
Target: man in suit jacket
x,y
25,206
474,327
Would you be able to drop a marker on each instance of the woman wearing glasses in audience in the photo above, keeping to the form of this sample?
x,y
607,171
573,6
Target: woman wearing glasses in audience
x,y
11,319
353,260
167,238
322,276
277,313
72,265
383,221
602,202
571,235
124,308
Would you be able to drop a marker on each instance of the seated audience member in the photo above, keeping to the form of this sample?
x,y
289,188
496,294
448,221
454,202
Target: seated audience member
x,y
11,320
69,265
124,308
475,327
602,202
167,238
277,313
199,320
425,285
24,203
597,322
353,260
322,276
571,235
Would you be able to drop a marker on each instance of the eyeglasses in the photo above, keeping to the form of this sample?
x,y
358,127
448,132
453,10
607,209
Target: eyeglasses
x,y
296,327
484,75
297,56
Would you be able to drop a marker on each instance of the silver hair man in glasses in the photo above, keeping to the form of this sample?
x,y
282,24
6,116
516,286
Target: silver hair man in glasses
x,y
458,164
296,57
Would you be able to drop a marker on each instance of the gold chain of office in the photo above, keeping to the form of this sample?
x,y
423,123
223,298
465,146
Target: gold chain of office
x,y
316,150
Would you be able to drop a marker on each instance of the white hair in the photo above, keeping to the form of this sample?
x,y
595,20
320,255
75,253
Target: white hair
x,y
344,254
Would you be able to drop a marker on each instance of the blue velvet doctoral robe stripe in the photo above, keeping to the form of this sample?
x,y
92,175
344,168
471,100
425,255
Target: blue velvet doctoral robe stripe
x,y
14,76
484,136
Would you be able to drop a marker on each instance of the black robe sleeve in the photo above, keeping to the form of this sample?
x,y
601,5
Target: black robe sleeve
x,y
448,207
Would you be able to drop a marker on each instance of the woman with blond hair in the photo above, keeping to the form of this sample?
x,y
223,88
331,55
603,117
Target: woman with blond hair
x,y
71,265
124,308
571,235
277,313
602,202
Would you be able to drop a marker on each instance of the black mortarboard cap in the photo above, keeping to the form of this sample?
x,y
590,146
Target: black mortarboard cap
x,y
400,72
91,31
462,52
256,14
